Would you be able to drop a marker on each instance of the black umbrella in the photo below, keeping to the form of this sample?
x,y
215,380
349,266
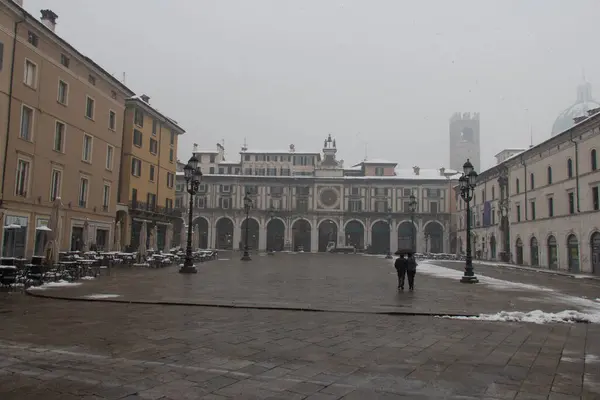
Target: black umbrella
x,y
403,252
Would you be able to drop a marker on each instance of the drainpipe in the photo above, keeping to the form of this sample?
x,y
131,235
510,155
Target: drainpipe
x,y
10,98
525,186
576,170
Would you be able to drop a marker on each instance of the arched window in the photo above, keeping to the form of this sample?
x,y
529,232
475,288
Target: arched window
x,y
531,181
517,187
573,253
593,160
552,253
549,175
569,168
493,193
533,250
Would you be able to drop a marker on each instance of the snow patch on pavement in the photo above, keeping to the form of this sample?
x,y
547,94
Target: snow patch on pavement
x,y
58,284
101,296
443,272
536,317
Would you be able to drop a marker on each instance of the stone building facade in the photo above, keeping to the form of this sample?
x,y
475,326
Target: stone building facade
x,y
540,207
308,200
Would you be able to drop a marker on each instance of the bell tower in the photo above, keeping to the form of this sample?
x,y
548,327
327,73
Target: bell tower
x,y
464,140
329,153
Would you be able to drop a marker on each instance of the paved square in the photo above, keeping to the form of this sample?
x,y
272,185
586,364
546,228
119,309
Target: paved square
x,y
57,349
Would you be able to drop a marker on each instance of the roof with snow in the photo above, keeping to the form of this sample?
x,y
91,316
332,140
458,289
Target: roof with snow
x,y
139,99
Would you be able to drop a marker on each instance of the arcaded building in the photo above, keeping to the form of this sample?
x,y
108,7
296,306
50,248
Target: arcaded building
x,y
309,199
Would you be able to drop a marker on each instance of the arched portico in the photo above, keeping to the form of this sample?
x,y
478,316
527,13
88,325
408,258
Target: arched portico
x,y
328,230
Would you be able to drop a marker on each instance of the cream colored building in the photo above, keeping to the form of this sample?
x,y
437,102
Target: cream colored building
x,y
306,200
61,124
549,194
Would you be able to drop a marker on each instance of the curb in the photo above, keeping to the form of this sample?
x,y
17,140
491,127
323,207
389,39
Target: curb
x,y
250,307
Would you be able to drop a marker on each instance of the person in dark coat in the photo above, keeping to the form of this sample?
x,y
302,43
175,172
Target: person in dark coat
x,y
400,264
411,270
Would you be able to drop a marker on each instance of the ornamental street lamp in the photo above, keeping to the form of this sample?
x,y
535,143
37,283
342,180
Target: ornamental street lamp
x,y
271,217
412,207
193,175
247,206
467,188
389,221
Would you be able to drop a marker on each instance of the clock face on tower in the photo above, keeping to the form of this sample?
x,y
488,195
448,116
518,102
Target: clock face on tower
x,y
329,197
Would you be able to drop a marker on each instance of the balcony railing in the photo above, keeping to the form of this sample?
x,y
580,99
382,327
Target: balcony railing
x,y
152,208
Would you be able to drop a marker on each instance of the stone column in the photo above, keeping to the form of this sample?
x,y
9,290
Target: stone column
x,y
237,232
314,236
262,236
393,237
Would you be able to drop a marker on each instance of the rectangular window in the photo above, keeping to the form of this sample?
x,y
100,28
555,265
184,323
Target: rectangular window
x,y
33,39
550,207
105,197
277,191
225,189
212,158
112,120
172,141
221,171
355,205
92,79
433,207
154,127
59,137
518,213
153,146
379,171
22,181
532,210
30,77
284,172
355,191
109,157
89,107
169,204
170,180
63,92
137,138
136,167
381,206
65,61
571,203
211,170
302,205
83,192
26,123
171,155
152,173
55,182
595,199
138,117
224,202
406,192
87,148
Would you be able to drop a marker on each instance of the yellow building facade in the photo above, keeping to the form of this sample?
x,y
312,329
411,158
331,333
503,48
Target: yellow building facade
x,y
148,167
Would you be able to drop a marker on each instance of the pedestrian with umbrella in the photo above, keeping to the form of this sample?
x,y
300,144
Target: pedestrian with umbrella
x,y
401,264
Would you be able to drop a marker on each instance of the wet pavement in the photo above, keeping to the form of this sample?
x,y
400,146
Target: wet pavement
x,y
350,283
52,349
58,349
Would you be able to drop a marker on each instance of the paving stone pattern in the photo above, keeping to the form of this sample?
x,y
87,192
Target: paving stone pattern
x,y
51,349
319,281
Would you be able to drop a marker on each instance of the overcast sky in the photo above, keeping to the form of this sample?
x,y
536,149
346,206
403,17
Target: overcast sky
x,y
387,73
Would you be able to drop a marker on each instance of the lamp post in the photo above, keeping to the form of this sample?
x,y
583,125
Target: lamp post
x,y
389,221
412,207
247,206
271,216
193,175
467,188
426,243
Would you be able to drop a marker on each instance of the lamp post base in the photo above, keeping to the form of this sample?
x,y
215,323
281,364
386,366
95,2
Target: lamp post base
x,y
188,269
469,279
388,256
246,256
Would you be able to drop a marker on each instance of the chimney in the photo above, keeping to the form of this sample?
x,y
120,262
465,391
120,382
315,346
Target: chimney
x,y
49,19
416,170
195,147
442,170
145,98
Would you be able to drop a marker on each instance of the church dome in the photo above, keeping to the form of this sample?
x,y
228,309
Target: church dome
x,y
584,103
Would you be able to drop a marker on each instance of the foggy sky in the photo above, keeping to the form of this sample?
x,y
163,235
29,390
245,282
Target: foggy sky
x,y
389,73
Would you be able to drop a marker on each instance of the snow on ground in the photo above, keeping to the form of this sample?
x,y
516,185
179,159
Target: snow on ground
x,y
50,285
589,310
87,278
436,270
524,267
537,317
101,296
